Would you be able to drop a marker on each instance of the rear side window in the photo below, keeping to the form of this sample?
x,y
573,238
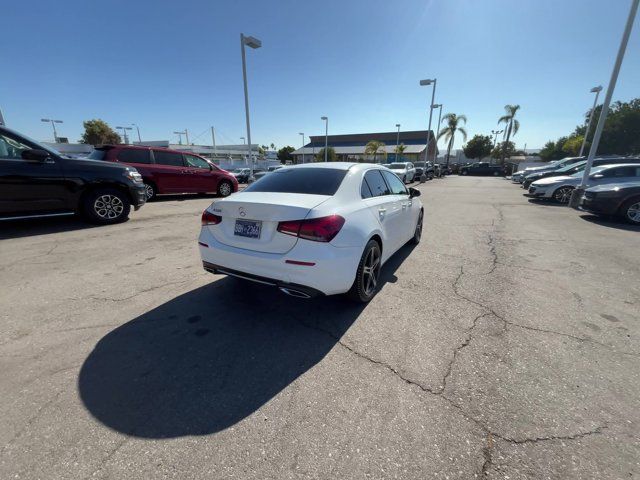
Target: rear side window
x,y
134,155
312,181
376,183
168,158
396,185
365,192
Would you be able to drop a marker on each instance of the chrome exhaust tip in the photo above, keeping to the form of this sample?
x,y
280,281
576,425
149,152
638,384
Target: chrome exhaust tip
x,y
294,293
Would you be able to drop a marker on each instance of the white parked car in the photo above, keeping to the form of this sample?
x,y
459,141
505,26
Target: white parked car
x,y
313,229
405,170
561,188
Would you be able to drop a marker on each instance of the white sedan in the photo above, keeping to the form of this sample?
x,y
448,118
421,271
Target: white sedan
x,y
405,170
560,188
313,229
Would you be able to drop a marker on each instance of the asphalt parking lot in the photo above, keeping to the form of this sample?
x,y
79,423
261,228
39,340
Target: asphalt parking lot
x,y
506,345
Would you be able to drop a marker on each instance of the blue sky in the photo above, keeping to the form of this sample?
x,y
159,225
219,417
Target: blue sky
x,y
173,65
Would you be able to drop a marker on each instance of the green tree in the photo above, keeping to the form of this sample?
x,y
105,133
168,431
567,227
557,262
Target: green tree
x,y
284,154
331,155
453,125
373,147
399,151
478,147
98,132
511,124
503,150
273,146
572,146
553,150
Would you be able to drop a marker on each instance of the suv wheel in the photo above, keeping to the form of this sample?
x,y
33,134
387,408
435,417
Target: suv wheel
x,y
106,206
225,189
631,211
367,275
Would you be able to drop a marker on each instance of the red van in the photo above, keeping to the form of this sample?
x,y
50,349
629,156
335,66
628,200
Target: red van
x,y
170,171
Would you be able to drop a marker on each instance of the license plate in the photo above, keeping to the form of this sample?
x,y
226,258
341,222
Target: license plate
x,y
248,228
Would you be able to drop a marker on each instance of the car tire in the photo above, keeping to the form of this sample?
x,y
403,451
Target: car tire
x,y
106,206
404,179
417,234
150,190
562,194
225,189
631,211
367,279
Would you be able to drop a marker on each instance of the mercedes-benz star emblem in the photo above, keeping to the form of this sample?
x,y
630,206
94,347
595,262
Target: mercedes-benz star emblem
x,y
241,212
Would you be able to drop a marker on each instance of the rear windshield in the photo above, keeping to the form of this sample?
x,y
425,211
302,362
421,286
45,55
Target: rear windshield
x,y
312,181
98,154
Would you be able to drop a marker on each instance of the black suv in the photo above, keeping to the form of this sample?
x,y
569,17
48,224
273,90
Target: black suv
x,y
37,181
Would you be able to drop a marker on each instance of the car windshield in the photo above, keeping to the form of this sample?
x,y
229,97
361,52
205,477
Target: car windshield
x,y
312,181
397,166
571,167
593,170
98,154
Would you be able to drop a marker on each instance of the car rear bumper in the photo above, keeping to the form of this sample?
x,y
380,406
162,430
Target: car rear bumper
x,y
326,269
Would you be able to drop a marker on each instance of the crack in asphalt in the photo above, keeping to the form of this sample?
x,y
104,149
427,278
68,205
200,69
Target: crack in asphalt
x,y
487,451
28,260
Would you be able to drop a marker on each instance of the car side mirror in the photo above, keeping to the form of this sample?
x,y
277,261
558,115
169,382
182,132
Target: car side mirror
x,y
35,154
413,192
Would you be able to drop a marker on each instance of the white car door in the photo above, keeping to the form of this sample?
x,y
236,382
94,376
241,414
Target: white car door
x,y
386,208
401,195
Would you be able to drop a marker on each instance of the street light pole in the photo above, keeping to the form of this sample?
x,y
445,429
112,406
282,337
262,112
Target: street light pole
x,y
326,135
424,83
253,43
213,139
439,107
53,124
577,193
597,91
495,139
302,145
176,133
124,133
138,130
397,141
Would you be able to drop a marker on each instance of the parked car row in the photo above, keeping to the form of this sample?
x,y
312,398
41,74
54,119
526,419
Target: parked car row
x,y
482,168
613,185
36,180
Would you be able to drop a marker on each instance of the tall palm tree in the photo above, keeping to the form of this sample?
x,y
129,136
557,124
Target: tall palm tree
x,y
373,147
511,124
400,150
453,123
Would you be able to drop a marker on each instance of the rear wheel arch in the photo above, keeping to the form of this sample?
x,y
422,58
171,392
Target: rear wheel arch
x,y
377,239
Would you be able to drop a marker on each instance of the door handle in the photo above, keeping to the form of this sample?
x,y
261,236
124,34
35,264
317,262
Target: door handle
x,y
382,212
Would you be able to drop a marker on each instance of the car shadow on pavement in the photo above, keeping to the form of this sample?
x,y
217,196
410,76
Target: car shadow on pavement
x,y
30,227
611,222
207,359
546,202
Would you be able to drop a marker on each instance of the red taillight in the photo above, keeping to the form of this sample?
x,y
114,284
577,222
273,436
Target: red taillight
x,y
323,229
209,218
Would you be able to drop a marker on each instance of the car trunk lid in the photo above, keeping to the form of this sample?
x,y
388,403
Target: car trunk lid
x,y
267,210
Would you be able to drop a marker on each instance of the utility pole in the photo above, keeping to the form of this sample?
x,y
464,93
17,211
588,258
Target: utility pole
x,y
424,83
254,43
